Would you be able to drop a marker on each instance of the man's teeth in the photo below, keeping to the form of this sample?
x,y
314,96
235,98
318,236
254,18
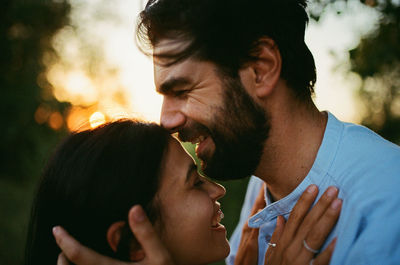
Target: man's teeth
x,y
199,139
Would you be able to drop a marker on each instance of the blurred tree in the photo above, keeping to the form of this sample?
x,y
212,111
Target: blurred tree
x,y
376,60
32,120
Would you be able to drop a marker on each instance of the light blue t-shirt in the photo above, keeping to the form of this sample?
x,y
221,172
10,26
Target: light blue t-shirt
x,y
366,169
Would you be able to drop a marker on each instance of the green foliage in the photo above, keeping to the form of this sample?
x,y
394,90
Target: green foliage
x,y
376,60
27,28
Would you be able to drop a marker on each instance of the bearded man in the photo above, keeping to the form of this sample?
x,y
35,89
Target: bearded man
x,y
237,80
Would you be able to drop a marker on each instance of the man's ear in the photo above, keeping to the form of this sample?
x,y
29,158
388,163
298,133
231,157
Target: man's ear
x,y
262,74
114,236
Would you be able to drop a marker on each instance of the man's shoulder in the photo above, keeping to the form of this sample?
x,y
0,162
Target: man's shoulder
x,y
360,136
361,147
365,161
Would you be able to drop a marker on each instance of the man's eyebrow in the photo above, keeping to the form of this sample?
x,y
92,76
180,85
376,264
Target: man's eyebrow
x,y
192,168
168,86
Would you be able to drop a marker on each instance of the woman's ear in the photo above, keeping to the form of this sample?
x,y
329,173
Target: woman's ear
x,y
262,74
114,234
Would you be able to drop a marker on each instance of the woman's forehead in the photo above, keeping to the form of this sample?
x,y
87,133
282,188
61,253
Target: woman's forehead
x,y
177,153
176,161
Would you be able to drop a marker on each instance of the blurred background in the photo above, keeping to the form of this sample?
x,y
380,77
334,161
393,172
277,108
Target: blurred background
x,y
70,65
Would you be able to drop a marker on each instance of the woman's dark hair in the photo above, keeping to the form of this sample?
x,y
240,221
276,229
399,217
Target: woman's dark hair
x,y
227,33
92,181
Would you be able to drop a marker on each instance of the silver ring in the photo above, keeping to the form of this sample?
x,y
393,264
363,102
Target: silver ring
x,y
309,248
272,244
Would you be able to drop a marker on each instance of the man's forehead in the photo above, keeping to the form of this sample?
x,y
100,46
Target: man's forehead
x,y
168,47
164,71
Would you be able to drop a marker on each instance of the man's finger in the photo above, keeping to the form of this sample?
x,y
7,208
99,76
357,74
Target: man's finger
x,y
77,253
147,236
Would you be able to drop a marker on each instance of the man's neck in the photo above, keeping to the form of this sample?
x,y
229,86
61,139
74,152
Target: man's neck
x,y
291,149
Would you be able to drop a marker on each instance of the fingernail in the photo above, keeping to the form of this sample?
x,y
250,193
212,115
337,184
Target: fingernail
x,y
332,191
138,214
311,188
333,243
278,220
56,230
336,204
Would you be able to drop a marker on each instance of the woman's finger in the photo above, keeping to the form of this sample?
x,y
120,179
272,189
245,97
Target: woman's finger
x,y
315,215
325,256
248,249
306,230
259,203
319,232
275,239
247,253
77,253
298,213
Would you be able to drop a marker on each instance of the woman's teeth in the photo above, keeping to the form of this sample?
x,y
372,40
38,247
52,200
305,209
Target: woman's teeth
x,y
220,216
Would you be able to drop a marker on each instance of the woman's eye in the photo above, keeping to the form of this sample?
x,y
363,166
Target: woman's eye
x,y
198,182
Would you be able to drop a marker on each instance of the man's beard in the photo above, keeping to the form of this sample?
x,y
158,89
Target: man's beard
x,y
239,129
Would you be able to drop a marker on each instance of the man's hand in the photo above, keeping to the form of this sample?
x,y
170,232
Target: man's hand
x,y
155,252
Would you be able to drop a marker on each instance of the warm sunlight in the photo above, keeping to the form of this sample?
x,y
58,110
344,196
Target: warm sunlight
x,y
101,69
78,118
97,119
73,86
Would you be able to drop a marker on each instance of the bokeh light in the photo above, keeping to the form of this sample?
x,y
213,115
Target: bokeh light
x,y
97,119
101,66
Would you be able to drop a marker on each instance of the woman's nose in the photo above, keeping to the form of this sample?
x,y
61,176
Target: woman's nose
x,y
217,191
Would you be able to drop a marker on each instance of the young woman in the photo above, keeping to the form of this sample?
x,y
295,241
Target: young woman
x,y
96,176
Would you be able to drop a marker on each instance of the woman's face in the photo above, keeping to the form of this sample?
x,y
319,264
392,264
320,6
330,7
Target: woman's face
x,y
190,213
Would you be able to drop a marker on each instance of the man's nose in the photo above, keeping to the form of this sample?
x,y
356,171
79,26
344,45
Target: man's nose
x,y
172,117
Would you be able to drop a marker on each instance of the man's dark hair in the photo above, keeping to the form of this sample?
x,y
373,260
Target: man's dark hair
x,y
92,181
227,33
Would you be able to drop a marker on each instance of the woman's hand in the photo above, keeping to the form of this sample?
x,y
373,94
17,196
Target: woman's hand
x,y
247,253
303,235
303,225
155,252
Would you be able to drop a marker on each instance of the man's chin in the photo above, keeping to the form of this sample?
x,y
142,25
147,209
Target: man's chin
x,y
204,157
229,168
